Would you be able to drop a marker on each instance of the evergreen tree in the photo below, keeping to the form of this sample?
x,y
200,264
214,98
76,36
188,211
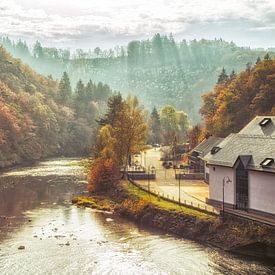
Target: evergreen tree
x,y
64,89
90,88
223,77
232,75
258,60
80,91
114,104
155,126
267,57
38,50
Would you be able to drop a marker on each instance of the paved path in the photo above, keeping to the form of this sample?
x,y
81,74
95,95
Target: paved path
x,y
195,191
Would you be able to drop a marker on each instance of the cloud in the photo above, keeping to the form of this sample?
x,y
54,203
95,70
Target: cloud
x,y
84,20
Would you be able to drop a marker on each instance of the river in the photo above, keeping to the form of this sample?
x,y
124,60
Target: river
x,y
59,238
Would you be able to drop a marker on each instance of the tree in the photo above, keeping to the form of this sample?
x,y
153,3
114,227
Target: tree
x,y
155,126
223,77
267,57
80,93
231,105
90,89
102,175
130,131
64,89
195,136
169,124
258,60
183,124
232,75
114,106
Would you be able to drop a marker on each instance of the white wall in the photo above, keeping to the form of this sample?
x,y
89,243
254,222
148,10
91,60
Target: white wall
x,y
216,184
206,170
262,191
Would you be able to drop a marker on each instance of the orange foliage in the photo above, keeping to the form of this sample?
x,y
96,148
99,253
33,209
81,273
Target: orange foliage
x,y
102,175
233,104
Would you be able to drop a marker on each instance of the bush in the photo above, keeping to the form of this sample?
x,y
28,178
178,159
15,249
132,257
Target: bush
x,y
103,175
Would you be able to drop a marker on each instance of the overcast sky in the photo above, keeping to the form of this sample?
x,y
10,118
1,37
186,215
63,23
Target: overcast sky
x,y
107,23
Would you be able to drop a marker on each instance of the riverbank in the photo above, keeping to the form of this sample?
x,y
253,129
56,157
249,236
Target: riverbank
x,y
232,234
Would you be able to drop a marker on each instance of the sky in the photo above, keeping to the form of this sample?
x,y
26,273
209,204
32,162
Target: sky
x,y
108,23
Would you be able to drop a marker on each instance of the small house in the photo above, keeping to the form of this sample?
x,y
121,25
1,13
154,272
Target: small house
x,y
195,158
242,169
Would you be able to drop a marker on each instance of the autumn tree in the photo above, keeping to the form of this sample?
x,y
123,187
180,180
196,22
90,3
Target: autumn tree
x,y
103,175
231,105
130,131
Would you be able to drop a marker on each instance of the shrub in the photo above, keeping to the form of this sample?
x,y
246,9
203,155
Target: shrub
x,y
103,175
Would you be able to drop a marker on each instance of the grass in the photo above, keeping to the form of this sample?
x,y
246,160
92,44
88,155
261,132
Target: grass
x,y
163,204
97,202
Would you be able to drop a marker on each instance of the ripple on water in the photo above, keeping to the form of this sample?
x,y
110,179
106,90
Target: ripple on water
x,y
64,239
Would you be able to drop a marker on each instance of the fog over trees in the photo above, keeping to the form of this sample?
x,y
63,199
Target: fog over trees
x,y
159,71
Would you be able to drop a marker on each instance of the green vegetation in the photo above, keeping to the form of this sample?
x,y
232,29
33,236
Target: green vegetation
x,y
160,70
123,133
96,202
41,117
163,204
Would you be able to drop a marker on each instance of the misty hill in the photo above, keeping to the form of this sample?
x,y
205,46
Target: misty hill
x,y
160,70
236,100
35,119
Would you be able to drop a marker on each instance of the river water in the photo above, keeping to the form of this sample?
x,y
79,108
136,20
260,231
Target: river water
x,y
59,238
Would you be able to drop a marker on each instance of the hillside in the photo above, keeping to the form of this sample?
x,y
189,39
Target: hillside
x,y
35,122
237,100
159,71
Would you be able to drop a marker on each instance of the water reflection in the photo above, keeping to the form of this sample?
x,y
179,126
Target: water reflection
x,y
62,239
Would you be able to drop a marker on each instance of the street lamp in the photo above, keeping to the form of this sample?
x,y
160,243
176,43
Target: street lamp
x,y
144,159
179,184
226,179
180,173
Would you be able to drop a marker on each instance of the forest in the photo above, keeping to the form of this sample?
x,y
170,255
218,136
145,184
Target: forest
x,y
159,71
41,117
237,99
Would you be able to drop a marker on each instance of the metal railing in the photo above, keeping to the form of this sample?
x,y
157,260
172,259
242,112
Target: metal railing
x,y
190,204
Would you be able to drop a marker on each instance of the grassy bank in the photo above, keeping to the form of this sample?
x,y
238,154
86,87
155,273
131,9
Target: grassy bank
x,y
163,204
240,236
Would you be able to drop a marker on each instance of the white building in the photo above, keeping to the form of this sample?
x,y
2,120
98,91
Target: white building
x,y
195,157
245,162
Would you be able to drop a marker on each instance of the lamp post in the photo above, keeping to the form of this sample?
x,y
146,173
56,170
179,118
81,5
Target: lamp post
x,y
145,159
148,174
226,179
179,185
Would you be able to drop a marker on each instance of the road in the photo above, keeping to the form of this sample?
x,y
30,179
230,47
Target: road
x,y
191,191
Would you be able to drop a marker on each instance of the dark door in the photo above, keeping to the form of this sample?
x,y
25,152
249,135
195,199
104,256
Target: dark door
x,y
241,187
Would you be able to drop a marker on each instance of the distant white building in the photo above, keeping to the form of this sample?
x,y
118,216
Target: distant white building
x,y
195,157
245,162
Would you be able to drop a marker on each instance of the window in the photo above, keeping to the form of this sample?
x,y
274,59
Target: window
x,y
265,121
267,162
215,150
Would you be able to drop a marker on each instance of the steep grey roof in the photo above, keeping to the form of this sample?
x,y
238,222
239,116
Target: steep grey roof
x,y
206,145
253,127
259,147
